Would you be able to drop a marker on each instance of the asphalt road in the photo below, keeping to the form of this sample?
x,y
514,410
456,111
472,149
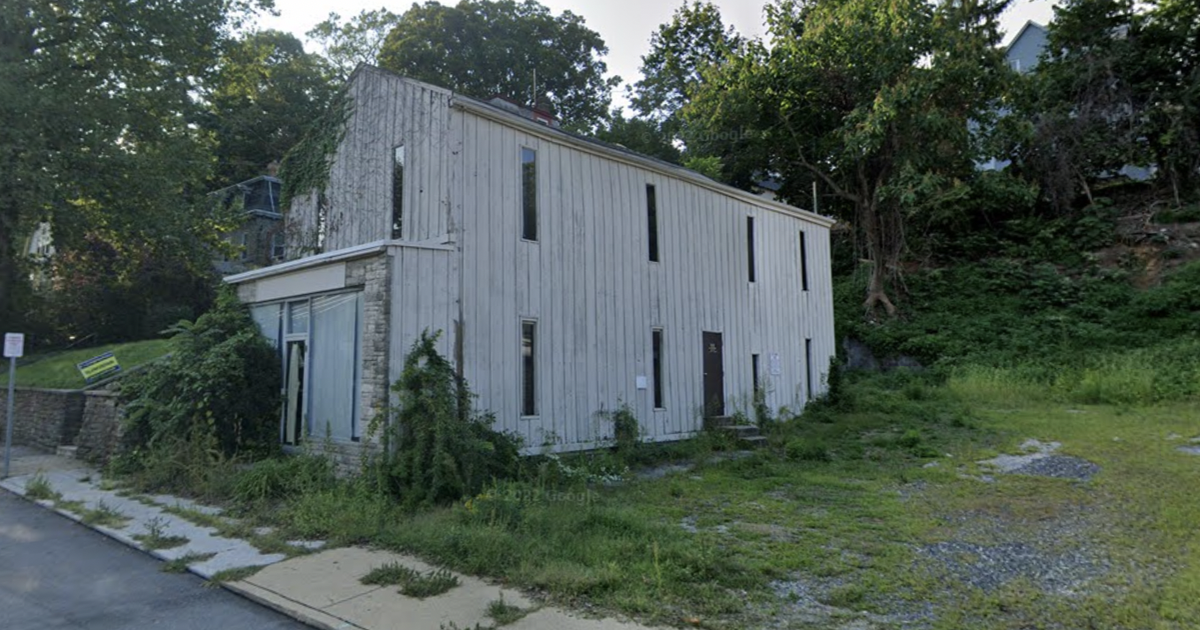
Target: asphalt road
x,y
55,573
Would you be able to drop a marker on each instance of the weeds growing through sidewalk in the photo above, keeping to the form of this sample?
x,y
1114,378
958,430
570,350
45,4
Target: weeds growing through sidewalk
x,y
504,613
181,564
104,516
233,575
39,489
154,538
412,582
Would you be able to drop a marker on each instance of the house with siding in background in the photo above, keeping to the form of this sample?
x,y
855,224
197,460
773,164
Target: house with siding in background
x,y
568,277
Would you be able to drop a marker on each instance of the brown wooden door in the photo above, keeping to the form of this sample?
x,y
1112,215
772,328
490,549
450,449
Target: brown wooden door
x,y
714,375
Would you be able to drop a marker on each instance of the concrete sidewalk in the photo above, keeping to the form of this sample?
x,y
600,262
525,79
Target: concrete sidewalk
x,y
321,587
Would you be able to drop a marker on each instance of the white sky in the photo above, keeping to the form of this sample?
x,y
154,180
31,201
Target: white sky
x,y
625,25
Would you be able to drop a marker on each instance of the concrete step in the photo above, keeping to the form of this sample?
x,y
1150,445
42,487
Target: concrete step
x,y
66,451
716,422
742,430
755,441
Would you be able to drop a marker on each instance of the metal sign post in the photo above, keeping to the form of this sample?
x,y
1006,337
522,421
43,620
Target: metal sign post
x,y
14,346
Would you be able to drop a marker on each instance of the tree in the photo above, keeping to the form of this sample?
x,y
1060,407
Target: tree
x,y
680,50
486,48
356,41
640,135
97,132
873,101
266,91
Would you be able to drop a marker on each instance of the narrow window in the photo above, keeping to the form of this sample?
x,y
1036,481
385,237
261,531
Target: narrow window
x,y
528,374
277,246
803,262
244,242
652,221
529,194
398,191
750,244
754,369
808,367
656,344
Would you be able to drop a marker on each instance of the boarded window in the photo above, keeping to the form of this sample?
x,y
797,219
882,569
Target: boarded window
x,y
528,368
750,246
529,217
803,262
398,191
652,221
656,343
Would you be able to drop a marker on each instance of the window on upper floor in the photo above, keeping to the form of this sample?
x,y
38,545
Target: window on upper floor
x,y
652,220
397,191
529,214
803,262
750,247
277,246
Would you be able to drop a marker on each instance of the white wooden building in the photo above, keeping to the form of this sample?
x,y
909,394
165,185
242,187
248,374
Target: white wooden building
x,y
569,277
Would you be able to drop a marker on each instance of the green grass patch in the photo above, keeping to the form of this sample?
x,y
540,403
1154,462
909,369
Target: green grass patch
x,y
155,537
234,575
57,370
504,613
104,515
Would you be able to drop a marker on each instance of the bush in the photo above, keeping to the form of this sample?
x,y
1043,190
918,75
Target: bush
x,y
436,449
280,478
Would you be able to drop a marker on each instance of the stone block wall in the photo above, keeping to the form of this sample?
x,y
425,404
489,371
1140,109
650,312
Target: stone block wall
x,y
374,276
99,435
44,418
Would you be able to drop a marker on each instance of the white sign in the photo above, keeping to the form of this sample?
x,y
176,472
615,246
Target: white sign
x,y
641,382
14,345
776,365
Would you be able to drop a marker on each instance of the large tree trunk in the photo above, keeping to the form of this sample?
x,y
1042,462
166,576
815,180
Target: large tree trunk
x,y
883,253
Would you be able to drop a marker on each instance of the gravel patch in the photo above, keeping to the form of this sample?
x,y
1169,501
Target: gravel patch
x,y
804,598
1059,467
988,567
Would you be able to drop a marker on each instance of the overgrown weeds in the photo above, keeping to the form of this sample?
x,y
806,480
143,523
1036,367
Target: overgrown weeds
x,y
412,582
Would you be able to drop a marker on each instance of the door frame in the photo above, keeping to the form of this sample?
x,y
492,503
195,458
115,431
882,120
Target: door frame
x,y
713,384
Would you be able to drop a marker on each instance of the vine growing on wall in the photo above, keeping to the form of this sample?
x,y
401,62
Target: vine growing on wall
x,y
305,169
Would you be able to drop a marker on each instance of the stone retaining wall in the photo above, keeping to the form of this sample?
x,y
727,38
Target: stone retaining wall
x,y
100,433
44,418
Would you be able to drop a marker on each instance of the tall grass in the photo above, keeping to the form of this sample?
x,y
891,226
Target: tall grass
x,y
1168,372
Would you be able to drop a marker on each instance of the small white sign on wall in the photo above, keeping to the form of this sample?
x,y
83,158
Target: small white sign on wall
x,y
14,345
776,364
641,382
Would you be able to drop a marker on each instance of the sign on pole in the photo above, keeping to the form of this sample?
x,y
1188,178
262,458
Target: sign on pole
x,y
14,345
99,367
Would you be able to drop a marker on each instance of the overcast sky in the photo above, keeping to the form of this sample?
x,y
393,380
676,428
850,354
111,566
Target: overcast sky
x,y
625,25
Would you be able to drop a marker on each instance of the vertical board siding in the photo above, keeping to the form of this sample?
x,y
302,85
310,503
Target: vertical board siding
x,y
587,281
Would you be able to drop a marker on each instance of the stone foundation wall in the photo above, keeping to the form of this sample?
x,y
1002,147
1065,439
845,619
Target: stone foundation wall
x,y
347,457
44,418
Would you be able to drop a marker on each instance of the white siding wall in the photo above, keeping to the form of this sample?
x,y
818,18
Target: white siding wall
x,y
596,297
587,281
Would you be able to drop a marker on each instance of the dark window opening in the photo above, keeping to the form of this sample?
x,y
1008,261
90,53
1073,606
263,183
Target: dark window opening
x,y
808,367
656,349
754,370
398,191
803,262
529,194
652,220
750,245
528,373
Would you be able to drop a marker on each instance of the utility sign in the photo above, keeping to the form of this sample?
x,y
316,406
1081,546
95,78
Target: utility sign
x,y
14,345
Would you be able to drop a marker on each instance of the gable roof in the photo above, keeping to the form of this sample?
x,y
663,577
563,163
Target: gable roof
x,y
500,115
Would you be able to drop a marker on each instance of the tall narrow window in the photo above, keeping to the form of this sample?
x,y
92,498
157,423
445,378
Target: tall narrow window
x,y
808,367
754,370
750,245
652,221
529,194
398,192
528,372
803,262
656,343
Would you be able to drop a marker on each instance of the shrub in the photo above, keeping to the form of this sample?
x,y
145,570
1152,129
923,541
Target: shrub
x,y
799,449
437,449
221,378
280,478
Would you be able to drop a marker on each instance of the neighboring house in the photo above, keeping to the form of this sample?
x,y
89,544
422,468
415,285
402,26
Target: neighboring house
x,y
39,249
568,277
258,240
1024,53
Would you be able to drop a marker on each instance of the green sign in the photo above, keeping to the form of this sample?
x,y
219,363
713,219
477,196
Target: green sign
x,y
99,367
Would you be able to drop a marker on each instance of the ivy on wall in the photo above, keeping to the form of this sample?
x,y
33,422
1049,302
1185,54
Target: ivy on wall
x,y
305,168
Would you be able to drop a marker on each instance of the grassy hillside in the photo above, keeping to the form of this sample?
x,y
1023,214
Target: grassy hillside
x,y
58,371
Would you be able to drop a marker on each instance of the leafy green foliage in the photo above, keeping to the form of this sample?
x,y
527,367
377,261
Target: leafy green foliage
x,y
437,449
219,386
305,167
355,41
486,48
279,478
